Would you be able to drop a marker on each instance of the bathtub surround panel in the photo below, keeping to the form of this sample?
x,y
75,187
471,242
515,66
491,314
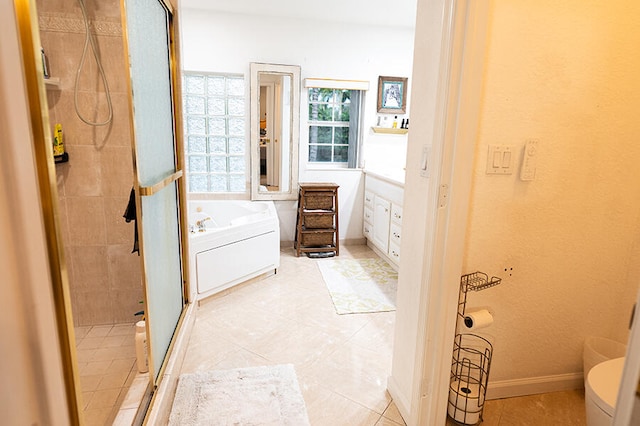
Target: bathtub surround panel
x,y
567,76
214,272
93,187
239,241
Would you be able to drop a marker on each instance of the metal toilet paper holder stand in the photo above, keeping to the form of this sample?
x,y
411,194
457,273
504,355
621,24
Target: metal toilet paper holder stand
x,y
471,359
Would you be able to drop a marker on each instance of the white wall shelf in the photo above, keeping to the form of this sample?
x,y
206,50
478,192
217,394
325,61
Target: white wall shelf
x,y
390,130
52,82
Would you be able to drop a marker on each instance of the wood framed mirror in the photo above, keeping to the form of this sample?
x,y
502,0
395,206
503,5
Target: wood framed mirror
x,y
275,131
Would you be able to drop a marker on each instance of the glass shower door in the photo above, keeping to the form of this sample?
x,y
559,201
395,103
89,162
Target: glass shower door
x,y
157,174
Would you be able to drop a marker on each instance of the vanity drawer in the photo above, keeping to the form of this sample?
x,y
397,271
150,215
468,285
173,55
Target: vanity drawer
x,y
396,213
366,230
394,234
394,252
368,215
368,199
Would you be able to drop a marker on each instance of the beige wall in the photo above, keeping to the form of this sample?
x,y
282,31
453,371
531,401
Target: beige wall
x,y
565,73
94,185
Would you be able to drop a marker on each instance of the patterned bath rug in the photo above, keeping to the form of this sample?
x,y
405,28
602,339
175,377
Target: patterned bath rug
x,y
243,396
360,285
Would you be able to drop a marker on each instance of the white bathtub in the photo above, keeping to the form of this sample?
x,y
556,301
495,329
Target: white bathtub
x,y
241,241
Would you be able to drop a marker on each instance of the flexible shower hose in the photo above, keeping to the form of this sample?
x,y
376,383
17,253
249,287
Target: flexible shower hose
x,y
89,40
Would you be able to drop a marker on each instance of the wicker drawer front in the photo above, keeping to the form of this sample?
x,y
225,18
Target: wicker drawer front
x,y
319,201
318,221
317,239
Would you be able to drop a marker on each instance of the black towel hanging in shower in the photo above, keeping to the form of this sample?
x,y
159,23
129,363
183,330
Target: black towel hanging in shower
x,y
130,215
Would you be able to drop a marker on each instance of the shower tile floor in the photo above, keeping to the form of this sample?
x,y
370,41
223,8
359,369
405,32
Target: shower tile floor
x,y
107,369
342,361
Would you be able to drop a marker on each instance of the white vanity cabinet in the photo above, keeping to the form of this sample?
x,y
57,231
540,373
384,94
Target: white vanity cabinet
x,y
395,232
383,215
368,215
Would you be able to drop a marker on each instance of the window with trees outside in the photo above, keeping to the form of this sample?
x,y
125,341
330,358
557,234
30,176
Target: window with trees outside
x,y
334,126
214,126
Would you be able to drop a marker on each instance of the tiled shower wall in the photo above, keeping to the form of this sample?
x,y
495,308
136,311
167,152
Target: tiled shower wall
x,y
94,186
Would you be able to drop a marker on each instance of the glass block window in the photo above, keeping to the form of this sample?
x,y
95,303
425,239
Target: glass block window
x,y
214,115
334,117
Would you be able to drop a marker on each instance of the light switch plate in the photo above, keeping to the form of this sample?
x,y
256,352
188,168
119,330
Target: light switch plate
x,y
424,163
500,159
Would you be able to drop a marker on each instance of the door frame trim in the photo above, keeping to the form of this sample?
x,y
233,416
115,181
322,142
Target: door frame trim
x,y
463,26
29,37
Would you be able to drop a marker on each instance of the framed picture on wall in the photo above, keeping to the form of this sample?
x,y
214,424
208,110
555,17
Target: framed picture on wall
x,y
392,94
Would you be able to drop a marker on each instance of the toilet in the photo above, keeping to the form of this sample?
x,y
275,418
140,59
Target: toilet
x,y
601,391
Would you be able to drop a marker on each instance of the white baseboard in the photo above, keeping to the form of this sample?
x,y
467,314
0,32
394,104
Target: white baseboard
x,y
354,241
399,399
534,385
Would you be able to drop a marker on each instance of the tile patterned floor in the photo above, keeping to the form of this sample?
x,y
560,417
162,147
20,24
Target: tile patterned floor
x,y
106,365
548,409
342,361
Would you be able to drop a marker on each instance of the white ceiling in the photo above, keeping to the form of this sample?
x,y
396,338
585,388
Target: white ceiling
x,y
400,13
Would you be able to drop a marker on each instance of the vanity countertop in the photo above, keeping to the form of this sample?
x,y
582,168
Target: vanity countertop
x,y
394,176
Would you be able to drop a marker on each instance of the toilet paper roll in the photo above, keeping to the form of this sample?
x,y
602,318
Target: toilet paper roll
x,y
480,318
464,402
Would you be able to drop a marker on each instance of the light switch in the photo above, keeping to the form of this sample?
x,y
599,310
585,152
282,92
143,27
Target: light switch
x,y
506,159
500,160
424,164
497,159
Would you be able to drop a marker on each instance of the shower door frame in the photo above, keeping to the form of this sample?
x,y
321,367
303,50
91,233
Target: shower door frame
x,y
155,377
56,268
34,88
